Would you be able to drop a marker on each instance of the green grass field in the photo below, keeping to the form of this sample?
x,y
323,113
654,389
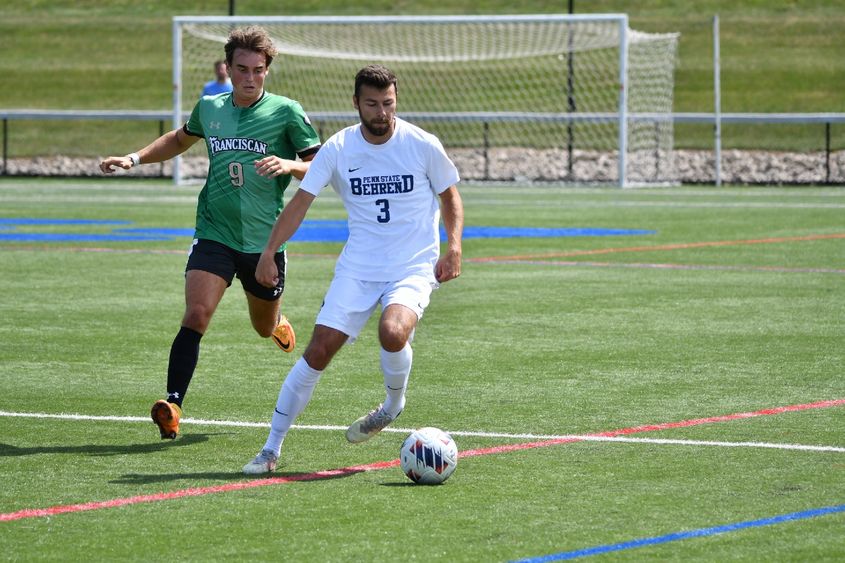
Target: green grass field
x,y
733,304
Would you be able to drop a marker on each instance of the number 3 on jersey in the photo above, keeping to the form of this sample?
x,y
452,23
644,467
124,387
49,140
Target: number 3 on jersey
x,y
384,210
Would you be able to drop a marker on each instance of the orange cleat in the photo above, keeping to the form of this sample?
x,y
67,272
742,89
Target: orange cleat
x,y
166,416
284,336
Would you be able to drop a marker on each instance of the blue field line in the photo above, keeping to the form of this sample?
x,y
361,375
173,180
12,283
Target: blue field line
x,y
79,237
701,532
312,230
8,221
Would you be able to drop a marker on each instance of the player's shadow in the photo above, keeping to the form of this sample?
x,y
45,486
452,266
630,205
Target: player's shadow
x,y
140,479
281,477
98,450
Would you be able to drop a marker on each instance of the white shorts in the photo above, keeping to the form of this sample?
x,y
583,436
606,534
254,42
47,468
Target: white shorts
x,y
349,303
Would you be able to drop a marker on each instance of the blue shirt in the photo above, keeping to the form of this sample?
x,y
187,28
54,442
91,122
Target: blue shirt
x,y
213,88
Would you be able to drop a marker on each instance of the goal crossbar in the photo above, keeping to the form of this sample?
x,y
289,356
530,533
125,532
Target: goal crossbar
x,y
589,94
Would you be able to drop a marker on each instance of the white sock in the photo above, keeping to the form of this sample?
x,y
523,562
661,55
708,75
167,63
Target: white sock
x,y
396,367
293,396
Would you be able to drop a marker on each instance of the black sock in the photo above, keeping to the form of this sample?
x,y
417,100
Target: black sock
x,y
184,354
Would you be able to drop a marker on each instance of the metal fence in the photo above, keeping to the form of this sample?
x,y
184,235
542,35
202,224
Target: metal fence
x,y
830,166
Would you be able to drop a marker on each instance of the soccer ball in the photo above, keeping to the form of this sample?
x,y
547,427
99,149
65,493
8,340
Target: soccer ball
x,y
428,456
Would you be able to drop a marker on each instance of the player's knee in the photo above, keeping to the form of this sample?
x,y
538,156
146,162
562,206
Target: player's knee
x,y
395,328
393,339
318,355
197,318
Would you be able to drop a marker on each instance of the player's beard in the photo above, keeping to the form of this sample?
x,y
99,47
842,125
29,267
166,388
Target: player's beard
x,y
377,129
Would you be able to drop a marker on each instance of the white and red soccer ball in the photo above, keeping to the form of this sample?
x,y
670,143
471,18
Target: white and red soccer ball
x,y
428,456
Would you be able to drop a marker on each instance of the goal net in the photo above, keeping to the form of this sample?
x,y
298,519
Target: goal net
x,y
570,99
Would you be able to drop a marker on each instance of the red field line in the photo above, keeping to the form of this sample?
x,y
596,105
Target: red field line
x,y
654,427
677,246
345,471
194,492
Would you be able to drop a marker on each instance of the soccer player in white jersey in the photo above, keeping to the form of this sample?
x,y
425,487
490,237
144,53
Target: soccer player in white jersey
x,y
390,175
253,139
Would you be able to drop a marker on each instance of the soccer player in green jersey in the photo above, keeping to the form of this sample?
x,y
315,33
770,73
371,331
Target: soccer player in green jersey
x,y
253,139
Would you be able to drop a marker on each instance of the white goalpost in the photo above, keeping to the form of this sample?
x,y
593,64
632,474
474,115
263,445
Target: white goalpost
x,y
553,98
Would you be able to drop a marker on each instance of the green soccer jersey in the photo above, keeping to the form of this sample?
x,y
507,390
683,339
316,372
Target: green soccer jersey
x,y
237,207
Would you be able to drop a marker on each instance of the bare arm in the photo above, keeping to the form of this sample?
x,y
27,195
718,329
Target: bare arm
x,y
164,148
288,221
448,267
272,166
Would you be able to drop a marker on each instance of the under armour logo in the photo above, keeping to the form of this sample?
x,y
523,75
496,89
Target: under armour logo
x,y
214,125
174,395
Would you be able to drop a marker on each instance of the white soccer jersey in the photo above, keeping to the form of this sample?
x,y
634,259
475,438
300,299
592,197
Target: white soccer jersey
x,y
390,194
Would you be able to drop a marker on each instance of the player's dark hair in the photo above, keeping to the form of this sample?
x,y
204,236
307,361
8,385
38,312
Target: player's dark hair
x,y
375,76
252,38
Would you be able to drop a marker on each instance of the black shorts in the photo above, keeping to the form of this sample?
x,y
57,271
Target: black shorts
x,y
217,258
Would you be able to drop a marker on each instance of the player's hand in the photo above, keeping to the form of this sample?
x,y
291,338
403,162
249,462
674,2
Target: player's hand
x,y
107,166
272,166
448,267
267,272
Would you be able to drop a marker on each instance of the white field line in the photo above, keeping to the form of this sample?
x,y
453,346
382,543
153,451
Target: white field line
x,y
573,437
191,199
674,204
479,189
545,196
94,199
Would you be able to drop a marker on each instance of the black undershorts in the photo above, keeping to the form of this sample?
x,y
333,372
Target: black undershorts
x,y
218,259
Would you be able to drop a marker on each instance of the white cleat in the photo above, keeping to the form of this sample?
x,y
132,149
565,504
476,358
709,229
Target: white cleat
x,y
369,425
264,462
